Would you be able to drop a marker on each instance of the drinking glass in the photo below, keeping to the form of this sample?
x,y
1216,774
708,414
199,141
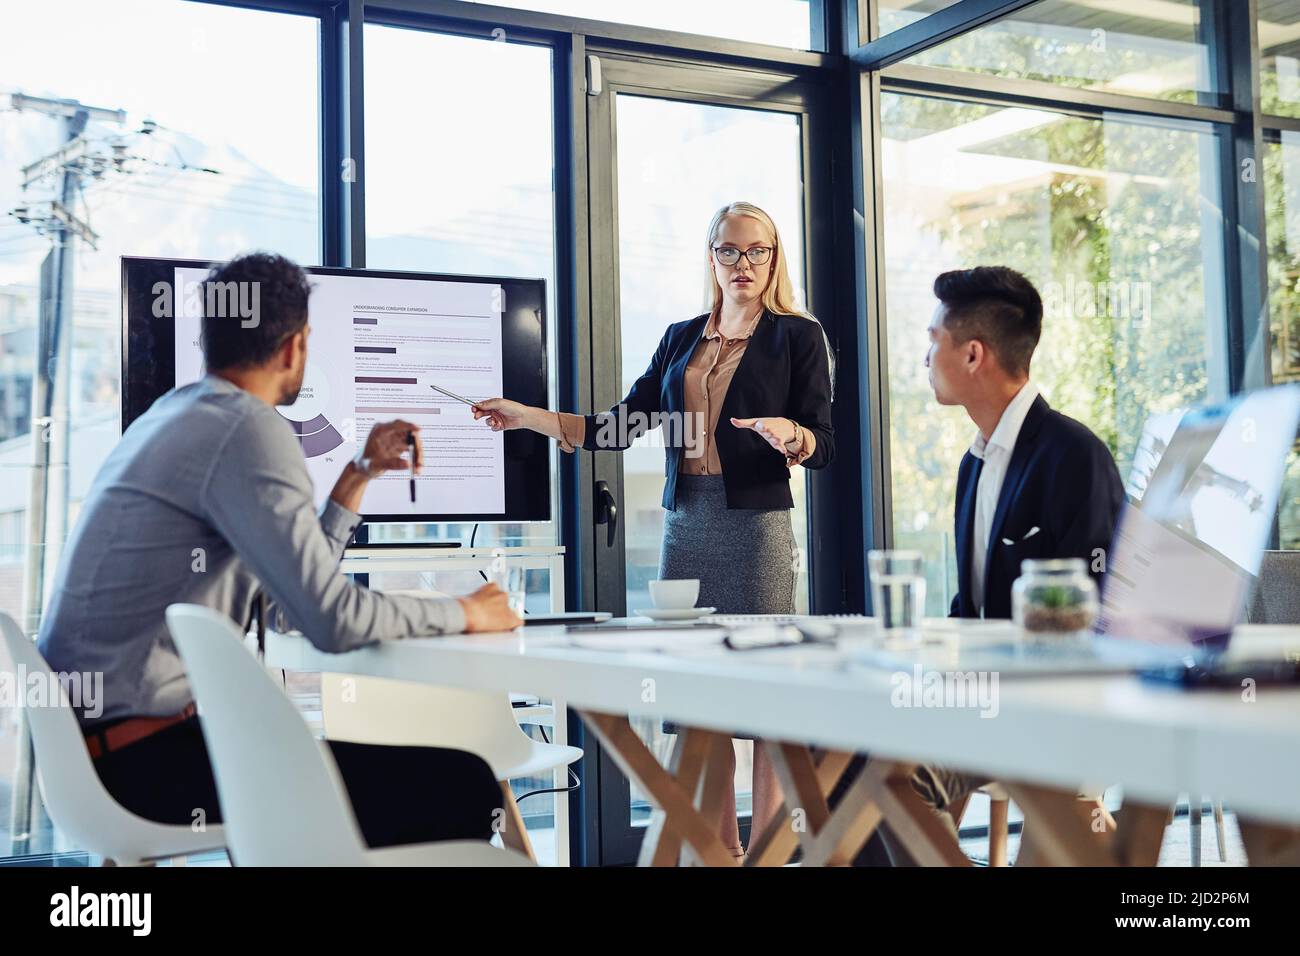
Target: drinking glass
x,y
898,591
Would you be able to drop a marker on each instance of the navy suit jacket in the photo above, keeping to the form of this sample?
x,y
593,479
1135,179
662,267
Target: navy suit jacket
x,y
784,371
1062,481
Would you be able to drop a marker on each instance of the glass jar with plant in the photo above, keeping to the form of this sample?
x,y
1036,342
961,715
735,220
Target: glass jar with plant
x,y
1054,598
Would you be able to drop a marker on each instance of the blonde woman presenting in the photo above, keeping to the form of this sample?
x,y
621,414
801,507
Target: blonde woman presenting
x,y
744,394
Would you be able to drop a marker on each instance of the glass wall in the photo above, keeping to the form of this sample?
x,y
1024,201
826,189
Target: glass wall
x,y
1142,47
893,14
459,178
1279,57
1279,52
1108,218
665,198
463,183
212,154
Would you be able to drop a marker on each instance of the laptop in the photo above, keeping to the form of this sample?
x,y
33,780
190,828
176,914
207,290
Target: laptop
x,y
1202,496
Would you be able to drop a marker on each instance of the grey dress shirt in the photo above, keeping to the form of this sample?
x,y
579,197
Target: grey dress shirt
x,y
207,500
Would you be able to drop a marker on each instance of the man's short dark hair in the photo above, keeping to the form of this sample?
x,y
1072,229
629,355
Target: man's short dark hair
x,y
251,305
996,305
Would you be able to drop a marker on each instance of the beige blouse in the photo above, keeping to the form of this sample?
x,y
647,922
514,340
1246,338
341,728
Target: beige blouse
x,y
708,375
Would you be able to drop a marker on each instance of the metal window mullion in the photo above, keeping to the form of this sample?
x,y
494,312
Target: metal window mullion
x,y
877,523
939,27
332,194
573,304
1246,260
824,32
686,44
1245,221
353,126
943,83
308,8
1272,125
573,338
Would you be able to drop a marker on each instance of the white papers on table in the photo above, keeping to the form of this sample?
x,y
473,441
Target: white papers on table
x,y
665,641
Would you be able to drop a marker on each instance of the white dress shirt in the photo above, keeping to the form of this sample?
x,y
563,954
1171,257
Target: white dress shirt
x,y
996,455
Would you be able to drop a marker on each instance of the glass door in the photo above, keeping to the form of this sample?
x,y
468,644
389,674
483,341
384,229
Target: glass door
x,y
668,146
678,162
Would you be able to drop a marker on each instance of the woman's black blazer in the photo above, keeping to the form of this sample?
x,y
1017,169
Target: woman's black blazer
x,y
785,372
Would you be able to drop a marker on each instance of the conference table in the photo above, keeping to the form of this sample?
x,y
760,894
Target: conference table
x,y
814,706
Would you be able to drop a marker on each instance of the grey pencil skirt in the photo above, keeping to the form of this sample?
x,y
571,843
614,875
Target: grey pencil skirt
x,y
745,558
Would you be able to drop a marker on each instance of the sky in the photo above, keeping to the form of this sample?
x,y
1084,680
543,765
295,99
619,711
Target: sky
x,y
219,74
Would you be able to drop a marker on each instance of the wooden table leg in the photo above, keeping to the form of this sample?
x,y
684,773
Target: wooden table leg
x,y
718,778
881,790
687,796
662,844
775,845
1139,834
1268,844
515,835
677,800
1062,830
854,819
913,822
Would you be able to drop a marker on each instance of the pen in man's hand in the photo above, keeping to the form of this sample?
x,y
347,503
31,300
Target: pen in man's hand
x,y
410,443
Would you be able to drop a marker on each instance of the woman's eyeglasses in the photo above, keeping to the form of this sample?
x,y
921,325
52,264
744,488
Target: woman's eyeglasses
x,y
730,255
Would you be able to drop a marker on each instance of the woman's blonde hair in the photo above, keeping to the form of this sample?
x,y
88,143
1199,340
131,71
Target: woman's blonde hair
x,y
778,296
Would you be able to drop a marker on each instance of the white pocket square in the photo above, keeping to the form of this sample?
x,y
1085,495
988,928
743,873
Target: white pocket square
x,y
1029,534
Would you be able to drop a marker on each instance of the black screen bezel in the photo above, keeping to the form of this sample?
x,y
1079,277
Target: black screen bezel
x,y
149,370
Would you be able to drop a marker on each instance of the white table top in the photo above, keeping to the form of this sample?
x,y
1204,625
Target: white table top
x,y
1067,731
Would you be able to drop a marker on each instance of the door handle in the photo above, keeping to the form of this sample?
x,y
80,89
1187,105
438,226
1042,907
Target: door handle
x,y
606,511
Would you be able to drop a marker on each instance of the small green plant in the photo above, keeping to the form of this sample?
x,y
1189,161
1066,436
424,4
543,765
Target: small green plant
x,y
1054,597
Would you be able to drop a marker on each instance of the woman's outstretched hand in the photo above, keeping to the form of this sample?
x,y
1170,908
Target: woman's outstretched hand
x,y
502,414
777,432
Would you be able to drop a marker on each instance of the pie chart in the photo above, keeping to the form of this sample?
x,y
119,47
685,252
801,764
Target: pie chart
x,y
306,415
317,436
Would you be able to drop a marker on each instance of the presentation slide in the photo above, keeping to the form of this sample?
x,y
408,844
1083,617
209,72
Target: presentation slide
x,y
375,348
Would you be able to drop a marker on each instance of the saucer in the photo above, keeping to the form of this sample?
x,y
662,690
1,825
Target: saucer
x,y
674,613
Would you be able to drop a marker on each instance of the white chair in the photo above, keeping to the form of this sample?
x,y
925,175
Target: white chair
x,y
82,809
376,710
282,798
380,711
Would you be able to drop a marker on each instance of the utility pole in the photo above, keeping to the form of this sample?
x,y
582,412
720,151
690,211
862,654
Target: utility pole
x,y
47,510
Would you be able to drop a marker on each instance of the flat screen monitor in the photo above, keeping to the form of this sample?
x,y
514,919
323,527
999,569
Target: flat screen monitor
x,y
378,341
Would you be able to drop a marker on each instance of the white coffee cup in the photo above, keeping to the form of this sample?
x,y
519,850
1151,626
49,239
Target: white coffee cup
x,y
674,595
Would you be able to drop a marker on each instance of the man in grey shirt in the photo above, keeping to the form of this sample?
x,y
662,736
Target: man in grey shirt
x,y
207,500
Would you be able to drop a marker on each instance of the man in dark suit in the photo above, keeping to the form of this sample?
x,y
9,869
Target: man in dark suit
x,y
1034,484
